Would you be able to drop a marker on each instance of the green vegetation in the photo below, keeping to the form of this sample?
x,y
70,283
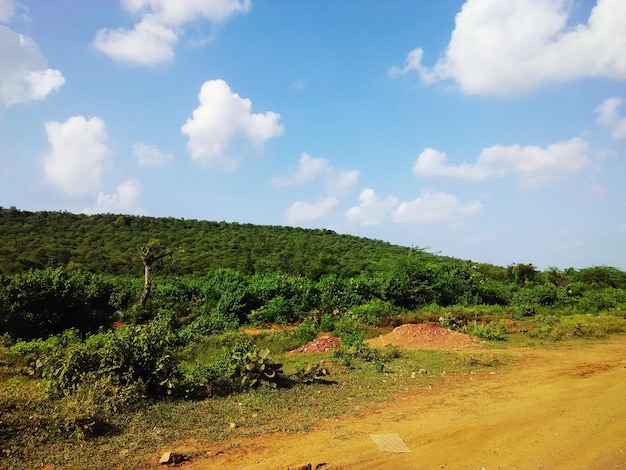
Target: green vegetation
x,y
81,364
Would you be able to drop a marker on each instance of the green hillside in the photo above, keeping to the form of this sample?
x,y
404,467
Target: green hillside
x,y
109,244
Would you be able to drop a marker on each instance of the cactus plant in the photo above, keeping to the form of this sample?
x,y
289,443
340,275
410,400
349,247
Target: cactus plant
x,y
312,373
256,368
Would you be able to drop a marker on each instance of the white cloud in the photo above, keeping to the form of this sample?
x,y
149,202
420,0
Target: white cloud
x,y
123,201
371,210
510,48
222,125
177,12
151,41
336,183
24,75
300,212
610,118
77,156
148,43
414,62
340,181
308,169
150,155
6,10
435,206
532,165
431,162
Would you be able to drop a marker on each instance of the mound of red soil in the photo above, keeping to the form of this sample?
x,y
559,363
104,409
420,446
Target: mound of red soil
x,y
321,344
423,336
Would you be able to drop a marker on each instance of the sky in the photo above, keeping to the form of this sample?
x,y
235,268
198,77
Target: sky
x,y
488,130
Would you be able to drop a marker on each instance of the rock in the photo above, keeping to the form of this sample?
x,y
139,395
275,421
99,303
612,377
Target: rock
x,y
171,457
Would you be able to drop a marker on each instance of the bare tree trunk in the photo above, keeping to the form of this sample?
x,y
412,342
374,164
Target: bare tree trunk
x,y
148,258
147,285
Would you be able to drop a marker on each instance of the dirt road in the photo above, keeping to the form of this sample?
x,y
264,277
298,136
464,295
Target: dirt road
x,y
562,408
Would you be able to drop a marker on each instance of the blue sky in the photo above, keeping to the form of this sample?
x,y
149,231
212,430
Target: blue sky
x,y
491,130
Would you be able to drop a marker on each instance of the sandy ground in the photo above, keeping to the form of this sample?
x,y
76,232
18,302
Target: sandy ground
x,y
561,408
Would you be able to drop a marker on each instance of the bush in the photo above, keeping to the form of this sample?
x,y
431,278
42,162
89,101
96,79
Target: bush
x,y
311,373
593,301
372,312
276,310
489,331
255,368
142,355
90,410
210,321
581,326
305,331
41,303
347,326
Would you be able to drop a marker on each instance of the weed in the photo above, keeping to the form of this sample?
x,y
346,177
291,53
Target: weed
x,y
579,326
489,331
311,373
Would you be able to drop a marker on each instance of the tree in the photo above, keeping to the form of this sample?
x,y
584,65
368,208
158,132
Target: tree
x,y
522,274
148,258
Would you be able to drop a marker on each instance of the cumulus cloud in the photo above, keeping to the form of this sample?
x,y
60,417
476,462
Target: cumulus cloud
x,y
431,206
25,76
177,12
223,123
151,41
309,169
150,155
532,165
335,182
434,206
148,43
432,162
510,48
301,212
609,117
123,201
371,210
78,152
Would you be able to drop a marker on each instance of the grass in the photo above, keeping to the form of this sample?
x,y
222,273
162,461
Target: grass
x,y
37,431
148,428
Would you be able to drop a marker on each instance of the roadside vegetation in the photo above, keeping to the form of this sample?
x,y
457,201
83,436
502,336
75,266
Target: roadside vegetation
x,y
85,365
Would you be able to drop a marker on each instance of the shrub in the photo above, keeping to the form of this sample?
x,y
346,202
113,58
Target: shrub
x,y
593,301
347,326
311,373
581,326
210,321
305,331
489,331
372,312
255,368
276,310
40,303
90,410
141,355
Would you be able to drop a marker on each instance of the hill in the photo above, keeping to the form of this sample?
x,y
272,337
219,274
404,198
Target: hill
x,y
109,243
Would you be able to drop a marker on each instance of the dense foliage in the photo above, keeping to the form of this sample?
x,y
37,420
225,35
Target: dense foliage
x,y
108,243
63,271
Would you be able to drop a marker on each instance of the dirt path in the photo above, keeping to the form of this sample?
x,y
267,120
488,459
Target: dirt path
x,y
561,408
